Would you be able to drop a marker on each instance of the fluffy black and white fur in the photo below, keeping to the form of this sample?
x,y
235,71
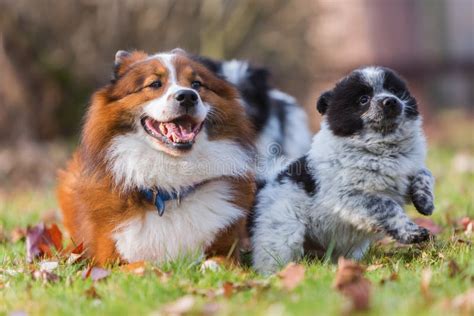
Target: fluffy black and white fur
x,y
280,122
365,163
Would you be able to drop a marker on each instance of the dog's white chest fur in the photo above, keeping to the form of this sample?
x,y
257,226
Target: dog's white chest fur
x,y
185,228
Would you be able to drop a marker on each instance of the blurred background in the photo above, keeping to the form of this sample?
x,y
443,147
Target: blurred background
x,y
53,54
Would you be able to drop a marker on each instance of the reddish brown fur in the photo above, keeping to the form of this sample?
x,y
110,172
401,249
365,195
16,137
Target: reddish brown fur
x,y
92,205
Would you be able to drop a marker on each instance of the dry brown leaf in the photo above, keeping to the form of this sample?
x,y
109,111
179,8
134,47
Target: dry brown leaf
x,y
95,273
163,276
43,241
137,268
374,267
45,276
425,284
92,293
393,277
292,275
228,288
429,224
55,236
350,281
453,268
464,223
179,307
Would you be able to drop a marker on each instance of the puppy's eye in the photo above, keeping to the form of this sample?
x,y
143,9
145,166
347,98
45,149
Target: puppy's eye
x,y
363,100
155,84
196,84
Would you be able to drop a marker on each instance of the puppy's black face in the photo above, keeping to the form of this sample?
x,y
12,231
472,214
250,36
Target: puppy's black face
x,y
372,98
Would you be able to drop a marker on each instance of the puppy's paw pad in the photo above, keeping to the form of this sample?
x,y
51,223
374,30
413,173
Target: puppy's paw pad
x,y
420,235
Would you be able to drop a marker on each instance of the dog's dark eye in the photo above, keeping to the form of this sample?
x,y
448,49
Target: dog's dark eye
x,y
363,100
196,84
155,84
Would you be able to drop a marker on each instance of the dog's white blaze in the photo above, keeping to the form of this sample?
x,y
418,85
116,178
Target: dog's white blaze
x,y
373,75
184,228
160,108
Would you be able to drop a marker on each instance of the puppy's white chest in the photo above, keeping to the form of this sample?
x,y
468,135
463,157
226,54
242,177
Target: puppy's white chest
x,y
187,227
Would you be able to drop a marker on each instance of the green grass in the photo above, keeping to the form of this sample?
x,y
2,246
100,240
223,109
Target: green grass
x,y
128,294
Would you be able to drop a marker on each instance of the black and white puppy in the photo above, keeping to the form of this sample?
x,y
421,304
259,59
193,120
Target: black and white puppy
x,y
365,163
280,122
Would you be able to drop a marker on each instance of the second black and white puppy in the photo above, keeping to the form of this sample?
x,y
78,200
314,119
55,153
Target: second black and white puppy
x,y
365,164
281,123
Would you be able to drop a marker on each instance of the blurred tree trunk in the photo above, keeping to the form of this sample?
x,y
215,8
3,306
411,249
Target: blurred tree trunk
x,y
14,101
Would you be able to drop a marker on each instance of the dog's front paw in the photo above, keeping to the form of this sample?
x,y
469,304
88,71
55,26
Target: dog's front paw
x,y
414,236
424,204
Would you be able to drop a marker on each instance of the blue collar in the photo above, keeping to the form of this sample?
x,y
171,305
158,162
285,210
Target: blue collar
x,y
159,197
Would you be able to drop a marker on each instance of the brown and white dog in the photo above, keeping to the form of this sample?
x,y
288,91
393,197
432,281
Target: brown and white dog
x,y
165,164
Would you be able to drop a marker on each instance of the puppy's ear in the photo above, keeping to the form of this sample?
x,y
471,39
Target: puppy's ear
x,y
323,102
179,51
260,74
123,59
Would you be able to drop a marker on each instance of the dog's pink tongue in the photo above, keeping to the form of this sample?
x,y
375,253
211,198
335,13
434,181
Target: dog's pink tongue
x,y
180,133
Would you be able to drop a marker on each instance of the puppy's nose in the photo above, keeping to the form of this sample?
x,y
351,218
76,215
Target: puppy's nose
x,y
391,107
389,102
186,98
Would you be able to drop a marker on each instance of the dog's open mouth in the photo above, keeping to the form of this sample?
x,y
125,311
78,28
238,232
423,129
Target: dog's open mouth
x,y
179,133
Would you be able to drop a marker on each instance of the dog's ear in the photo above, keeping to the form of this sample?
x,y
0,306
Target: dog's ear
x,y
179,51
323,102
123,59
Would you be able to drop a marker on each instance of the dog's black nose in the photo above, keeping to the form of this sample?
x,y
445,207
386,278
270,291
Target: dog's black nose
x,y
389,102
391,107
187,98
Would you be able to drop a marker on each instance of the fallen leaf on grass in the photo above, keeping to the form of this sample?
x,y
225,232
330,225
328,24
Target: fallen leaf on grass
x,y
41,241
350,281
92,293
180,306
228,288
466,224
463,303
163,276
429,224
393,277
374,267
292,275
453,268
95,273
425,284
137,268
45,276
76,254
